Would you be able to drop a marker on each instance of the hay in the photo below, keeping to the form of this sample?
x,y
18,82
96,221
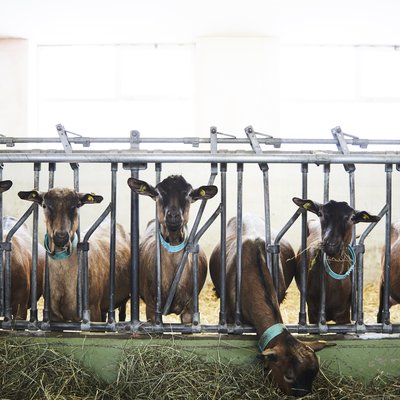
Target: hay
x,y
30,371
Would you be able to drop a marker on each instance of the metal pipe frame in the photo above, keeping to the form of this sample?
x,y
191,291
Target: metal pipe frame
x,y
136,158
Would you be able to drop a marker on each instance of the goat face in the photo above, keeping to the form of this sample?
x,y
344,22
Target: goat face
x,y
173,196
293,364
60,208
336,219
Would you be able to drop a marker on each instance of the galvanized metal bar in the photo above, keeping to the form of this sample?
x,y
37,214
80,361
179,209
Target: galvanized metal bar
x,y
390,157
134,252
386,267
113,232
195,257
1,250
87,141
35,241
239,228
303,254
47,289
158,294
222,294
327,169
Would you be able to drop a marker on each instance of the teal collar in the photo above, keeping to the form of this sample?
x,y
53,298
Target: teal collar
x,y
170,248
333,274
60,255
270,333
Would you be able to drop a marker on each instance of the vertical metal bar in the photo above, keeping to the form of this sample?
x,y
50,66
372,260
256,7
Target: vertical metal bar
x,y
34,310
239,227
360,283
135,252
7,281
158,313
327,169
222,308
46,307
303,257
195,259
267,219
2,305
84,262
386,268
354,279
322,304
113,232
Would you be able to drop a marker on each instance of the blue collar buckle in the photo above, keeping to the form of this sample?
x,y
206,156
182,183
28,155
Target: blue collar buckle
x,y
60,255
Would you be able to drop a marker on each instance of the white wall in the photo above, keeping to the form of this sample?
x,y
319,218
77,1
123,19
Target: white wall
x,y
231,82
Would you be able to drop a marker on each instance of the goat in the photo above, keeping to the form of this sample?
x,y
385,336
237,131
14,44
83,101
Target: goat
x,y
21,264
293,364
394,286
60,207
329,251
173,196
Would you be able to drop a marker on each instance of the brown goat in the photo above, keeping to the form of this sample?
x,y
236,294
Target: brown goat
x,y
173,197
21,264
293,364
328,251
394,287
60,208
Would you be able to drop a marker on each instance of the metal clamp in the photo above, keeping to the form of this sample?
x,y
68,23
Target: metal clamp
x,y
342,145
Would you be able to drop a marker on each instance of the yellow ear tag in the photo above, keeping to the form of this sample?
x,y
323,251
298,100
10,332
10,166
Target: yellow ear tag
x,y
90,198
307,206
365,216
33,194
202,192
142,188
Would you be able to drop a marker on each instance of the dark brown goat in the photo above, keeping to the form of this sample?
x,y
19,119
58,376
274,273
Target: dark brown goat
x,y
394,286
60,208
21,264
328,251
173,196
293,364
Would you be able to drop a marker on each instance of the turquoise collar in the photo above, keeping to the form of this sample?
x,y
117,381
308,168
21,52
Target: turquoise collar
x,y
270,333
60,255
333,274
170,248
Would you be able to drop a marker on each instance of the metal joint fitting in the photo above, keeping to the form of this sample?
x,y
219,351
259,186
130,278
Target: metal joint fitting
x,y
273,248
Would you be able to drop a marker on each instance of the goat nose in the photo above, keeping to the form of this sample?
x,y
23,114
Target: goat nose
x,y
173,214
61,238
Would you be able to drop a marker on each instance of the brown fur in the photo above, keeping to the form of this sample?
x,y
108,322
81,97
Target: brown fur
x,y
21,269
61,218
173,198
293,364
331,234
183,301
394,287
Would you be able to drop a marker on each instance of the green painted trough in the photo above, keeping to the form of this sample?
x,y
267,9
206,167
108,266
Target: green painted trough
x,y
361,357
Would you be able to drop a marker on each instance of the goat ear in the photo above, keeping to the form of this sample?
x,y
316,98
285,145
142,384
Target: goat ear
x,y
270,355
142,187
5,185
364,216
203,193
89,198
32,195
319,345
307,205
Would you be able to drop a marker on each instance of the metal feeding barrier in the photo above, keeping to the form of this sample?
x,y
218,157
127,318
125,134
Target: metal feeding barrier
x,y
255,148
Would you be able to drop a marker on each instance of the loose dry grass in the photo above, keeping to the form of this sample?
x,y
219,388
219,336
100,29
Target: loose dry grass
x,y
29,371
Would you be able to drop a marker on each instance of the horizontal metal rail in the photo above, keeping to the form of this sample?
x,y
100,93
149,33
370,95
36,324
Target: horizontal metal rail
x,y
136,158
